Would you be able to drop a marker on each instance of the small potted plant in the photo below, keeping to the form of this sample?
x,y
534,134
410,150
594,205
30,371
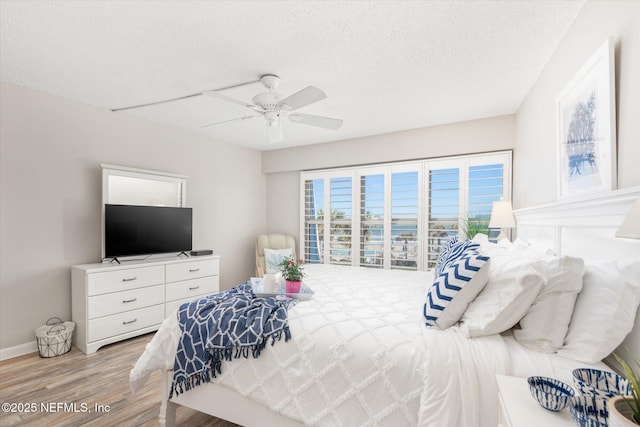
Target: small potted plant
x,y
625,410
292,271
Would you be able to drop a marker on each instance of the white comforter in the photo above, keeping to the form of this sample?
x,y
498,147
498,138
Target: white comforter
x,y
361,355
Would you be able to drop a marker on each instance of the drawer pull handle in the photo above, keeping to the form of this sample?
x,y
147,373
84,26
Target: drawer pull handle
x,y
129,322
130,279
194,288
194,270
124,301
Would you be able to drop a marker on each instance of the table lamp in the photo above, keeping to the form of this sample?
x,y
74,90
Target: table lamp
x,y
502,217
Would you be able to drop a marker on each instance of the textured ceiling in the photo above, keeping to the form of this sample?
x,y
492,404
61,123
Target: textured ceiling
x,y
385,65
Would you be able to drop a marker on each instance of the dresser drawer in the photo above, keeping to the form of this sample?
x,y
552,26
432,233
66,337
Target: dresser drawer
x,y
192,270
119,280
171,306
192,288
119,302
109,326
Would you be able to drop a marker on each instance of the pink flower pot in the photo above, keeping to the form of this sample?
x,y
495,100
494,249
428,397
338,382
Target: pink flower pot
x,y
293,287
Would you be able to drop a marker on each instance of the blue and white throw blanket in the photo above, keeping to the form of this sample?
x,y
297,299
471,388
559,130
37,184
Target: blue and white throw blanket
x,y
231,324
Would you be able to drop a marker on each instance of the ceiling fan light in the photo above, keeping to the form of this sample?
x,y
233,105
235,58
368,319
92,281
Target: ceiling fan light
x,y
274,134
272,118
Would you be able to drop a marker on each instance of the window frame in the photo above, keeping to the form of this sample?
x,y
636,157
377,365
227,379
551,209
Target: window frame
x,y
422,167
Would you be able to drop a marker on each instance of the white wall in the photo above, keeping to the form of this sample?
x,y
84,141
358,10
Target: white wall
x,y
283,203
283,166
535,175
50,197
474,136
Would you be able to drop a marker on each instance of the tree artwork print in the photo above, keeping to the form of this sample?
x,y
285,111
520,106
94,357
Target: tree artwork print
x,y
580,145
586,133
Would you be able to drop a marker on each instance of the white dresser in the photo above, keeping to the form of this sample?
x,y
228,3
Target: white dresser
x,y
112,302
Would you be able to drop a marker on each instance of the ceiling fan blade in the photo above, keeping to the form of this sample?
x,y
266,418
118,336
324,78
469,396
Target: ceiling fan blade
x,y
230,120
302,98
155,102
275,134
218,95
319,121
182,97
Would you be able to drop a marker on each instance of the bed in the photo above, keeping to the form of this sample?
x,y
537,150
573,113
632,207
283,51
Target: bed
x,y
362,355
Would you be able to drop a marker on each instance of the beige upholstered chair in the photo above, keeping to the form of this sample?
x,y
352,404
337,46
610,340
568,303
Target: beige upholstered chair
x,y
271,241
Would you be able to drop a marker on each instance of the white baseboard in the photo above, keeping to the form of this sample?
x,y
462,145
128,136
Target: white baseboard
x,y
18,350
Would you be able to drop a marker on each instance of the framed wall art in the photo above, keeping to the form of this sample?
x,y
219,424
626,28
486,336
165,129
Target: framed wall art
x,y
586,128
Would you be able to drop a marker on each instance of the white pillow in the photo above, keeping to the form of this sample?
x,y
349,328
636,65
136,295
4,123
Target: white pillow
x,y
518,248
487,247
605,310
545,324
273,258
458,284
512,287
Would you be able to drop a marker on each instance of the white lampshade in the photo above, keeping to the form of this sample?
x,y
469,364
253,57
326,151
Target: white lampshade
x,y
502,215
630,227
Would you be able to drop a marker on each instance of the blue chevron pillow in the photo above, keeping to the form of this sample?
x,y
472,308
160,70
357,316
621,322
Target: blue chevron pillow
x,y
444,253
464,274
452,251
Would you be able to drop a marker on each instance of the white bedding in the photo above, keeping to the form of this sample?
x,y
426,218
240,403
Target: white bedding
x,y
360,354
526,362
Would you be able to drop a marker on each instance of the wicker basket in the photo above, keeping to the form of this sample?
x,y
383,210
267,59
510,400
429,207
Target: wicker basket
x,y
54,337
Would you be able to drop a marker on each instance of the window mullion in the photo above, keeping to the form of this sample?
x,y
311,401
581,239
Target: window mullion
x,y
387,219
463,197
426,169
327,221
355,220
420,233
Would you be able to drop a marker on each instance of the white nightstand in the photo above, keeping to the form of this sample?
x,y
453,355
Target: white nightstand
x,y
519,409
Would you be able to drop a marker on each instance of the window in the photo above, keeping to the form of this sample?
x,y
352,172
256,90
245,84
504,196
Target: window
x,y
314,221
443,209
371,236
461,191
404,220
398,215
340,224
328,218
388,217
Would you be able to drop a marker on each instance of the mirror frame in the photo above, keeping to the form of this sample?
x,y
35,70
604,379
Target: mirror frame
x,y
124,171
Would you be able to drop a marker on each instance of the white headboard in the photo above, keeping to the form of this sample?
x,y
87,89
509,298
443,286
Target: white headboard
x,y
585,228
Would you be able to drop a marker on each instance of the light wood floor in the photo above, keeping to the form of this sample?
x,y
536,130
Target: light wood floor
x,y
98,379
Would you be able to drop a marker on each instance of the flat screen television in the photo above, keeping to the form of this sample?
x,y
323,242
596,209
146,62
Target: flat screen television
x,y
131,230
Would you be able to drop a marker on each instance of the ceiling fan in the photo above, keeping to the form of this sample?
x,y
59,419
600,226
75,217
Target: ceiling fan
x,y
270,105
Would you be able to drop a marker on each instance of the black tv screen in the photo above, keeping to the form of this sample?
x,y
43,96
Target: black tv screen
x,y
142,230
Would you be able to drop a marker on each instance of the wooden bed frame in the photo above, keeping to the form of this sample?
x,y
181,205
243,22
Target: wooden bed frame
x,y
584,228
